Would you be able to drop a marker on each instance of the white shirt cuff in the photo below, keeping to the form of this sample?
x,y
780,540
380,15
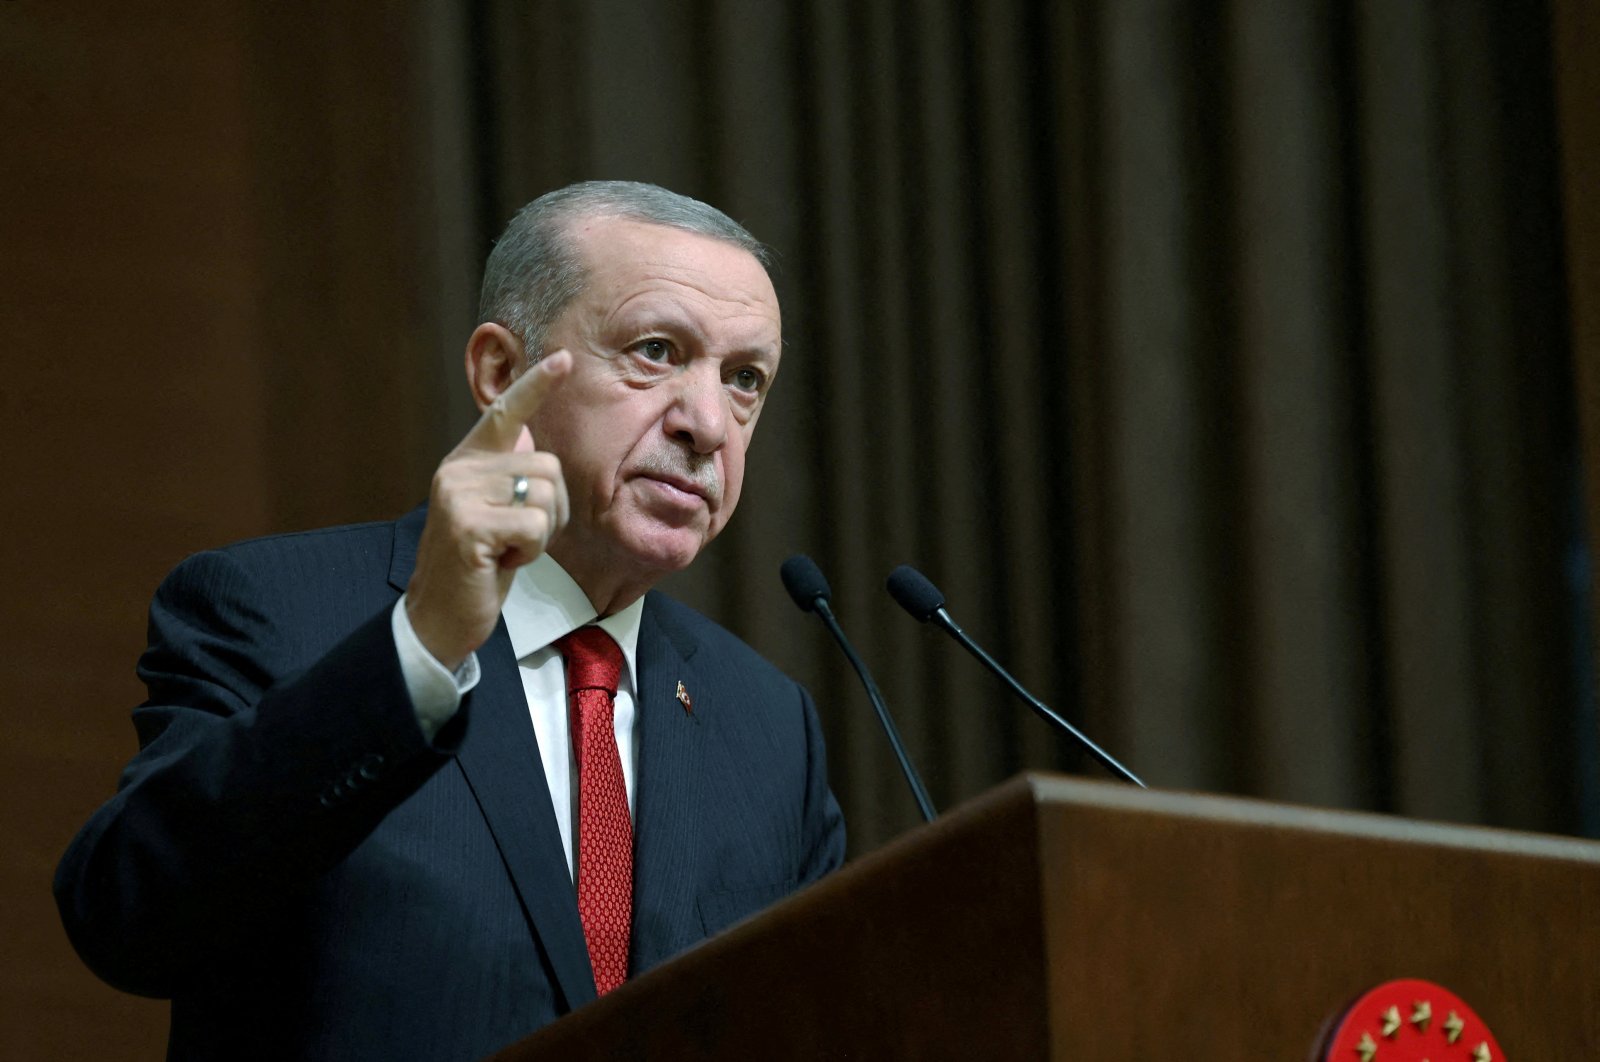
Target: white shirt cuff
x,y
435,691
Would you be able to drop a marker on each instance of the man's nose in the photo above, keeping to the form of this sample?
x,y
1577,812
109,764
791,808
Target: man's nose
x,y
698,416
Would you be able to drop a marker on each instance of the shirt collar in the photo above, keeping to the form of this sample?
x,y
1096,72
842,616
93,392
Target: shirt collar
x,y
545,604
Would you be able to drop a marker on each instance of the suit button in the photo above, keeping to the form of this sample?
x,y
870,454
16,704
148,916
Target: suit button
x,y
368,767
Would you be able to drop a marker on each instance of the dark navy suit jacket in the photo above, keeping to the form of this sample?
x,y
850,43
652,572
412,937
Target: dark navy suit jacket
x,y
306,876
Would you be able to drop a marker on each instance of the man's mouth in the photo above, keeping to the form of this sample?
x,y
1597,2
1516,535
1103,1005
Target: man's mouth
x,y
672,481
682,486
679,491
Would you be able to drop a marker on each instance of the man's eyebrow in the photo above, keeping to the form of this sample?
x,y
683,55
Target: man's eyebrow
x,y
634,316
765,352
669,318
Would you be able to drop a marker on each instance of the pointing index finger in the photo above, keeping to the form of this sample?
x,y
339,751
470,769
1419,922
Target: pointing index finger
x,y
503,421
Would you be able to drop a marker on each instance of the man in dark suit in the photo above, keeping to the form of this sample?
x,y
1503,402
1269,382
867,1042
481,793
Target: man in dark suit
x,y
412,790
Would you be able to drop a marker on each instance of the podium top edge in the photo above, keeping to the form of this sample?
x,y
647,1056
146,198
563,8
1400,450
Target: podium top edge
x,y
1049,789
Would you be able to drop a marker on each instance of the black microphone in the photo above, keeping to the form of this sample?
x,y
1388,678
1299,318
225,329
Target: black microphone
x,y
918,596
806,584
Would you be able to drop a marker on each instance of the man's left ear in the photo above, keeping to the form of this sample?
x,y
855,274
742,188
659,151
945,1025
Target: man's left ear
x,y
494,359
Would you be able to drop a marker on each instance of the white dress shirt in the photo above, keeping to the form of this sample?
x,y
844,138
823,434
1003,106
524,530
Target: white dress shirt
x,y
544,604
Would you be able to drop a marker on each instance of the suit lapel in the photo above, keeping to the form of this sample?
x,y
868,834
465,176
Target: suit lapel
x,y
667,822
500,759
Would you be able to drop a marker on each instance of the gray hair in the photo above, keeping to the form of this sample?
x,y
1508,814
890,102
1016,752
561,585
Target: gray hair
x,y
534,271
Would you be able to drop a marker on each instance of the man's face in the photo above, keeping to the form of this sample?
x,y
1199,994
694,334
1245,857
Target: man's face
x,y
675,341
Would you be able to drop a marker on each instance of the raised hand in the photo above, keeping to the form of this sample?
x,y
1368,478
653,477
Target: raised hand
x,y
478,533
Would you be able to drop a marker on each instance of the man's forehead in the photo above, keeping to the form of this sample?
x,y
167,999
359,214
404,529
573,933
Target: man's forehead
x,y
610,242
626,260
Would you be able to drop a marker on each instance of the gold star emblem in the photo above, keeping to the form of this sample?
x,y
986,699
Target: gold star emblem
x,y
1391,1022
1366,1048
1421,1015
1453,1026
1481,1053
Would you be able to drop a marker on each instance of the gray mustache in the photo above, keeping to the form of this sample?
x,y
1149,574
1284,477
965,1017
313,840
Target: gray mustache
x,y
699,469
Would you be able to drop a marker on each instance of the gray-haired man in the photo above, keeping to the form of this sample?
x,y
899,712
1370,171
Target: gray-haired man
x,y
368,819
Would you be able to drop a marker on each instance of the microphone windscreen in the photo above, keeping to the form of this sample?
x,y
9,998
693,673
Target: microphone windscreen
x,y
804,581
915,593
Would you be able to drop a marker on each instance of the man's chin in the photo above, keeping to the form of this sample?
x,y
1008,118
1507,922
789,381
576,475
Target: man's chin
x,y
662,547
616,560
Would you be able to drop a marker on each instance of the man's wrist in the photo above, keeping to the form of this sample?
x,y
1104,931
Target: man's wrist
x,y
450,659
436,690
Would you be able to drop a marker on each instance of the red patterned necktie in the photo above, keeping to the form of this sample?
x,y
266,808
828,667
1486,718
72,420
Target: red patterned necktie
x,y
605,832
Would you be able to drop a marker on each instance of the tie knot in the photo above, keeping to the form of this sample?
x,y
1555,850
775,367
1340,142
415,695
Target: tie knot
x,y
594,660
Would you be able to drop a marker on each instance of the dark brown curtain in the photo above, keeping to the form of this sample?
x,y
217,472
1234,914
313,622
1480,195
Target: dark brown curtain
x,y
1211,357
1577,60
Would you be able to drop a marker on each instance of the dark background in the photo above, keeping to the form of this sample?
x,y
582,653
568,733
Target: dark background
x,y
1228,364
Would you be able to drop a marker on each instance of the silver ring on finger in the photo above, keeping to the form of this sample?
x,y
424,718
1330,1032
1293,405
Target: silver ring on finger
x,y
519,491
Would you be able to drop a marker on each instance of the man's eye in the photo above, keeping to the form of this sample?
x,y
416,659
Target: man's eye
x,y
749,379
658,350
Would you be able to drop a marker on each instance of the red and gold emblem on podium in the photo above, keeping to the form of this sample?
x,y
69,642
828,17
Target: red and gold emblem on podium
x,y
1411,1021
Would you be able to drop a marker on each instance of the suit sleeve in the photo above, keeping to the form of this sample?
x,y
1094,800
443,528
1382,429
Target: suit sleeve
x,y
262,763
822,832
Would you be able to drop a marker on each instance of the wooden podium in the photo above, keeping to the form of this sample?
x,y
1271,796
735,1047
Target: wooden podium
x,y
1057,919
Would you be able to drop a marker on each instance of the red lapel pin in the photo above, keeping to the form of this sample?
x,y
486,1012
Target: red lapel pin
x,y
683,698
